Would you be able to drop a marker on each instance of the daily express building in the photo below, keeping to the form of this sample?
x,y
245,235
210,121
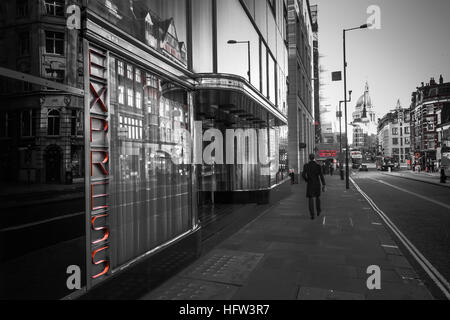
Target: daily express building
x,y
150,67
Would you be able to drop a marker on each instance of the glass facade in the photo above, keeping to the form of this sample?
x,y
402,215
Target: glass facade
x,y
151,194
42,162
160,24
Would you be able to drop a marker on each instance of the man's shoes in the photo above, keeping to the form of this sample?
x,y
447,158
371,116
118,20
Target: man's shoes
x,y
312,218
318,213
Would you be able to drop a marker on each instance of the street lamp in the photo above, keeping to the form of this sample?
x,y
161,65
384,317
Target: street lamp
x,y
340,133
248,43
347,169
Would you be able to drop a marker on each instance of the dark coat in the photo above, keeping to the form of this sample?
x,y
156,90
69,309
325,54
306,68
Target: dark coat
x,y
313,175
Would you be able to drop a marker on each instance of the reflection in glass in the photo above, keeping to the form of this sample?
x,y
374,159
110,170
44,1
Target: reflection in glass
x,y
160,24
150,193
42,163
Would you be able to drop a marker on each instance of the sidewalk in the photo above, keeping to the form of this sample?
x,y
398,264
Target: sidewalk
x,y
433,178
283,255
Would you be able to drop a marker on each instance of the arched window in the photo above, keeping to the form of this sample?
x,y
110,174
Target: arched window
x,y
54,120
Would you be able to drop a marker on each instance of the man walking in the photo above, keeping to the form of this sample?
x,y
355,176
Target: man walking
x,y
313,175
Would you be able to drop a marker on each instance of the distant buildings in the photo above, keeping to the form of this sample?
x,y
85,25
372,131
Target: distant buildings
x,y
300,99
394,134
365,124
429,121
316,66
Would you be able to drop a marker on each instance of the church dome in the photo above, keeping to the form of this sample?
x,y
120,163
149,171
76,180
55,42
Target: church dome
x,y
364,100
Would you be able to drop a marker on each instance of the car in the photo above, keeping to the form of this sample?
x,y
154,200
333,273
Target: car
x,y
363,168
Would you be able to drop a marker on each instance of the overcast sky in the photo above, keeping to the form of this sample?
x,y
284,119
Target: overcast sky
x,y
411,46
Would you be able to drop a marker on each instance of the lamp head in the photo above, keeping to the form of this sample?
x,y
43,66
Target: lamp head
x,y
365,26
232,42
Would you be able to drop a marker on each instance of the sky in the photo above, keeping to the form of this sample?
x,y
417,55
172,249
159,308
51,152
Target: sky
x,y
412,46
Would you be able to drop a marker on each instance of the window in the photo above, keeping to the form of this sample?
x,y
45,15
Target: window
x,y
27,123
407,141
138,76
24,43
53,124
21,8
407,130
54,8
120,68
55,75
4,125
130,97
76,123
138,100
130,72
121,91
395,141
395,131
54,42
133,126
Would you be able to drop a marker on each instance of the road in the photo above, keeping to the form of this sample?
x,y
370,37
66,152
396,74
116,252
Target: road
x,y
421,211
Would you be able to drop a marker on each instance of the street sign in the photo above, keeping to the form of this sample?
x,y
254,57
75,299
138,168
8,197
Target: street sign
x,y
336,76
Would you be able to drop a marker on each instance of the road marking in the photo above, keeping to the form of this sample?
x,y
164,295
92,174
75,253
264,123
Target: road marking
x,y
377,224
351,222
432,272
33,224
324,220
414,194
389,246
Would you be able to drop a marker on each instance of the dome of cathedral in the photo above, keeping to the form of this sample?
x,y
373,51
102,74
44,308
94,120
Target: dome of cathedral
x,y
364,100
368,101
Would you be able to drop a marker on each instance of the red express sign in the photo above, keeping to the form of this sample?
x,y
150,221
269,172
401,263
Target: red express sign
x,y
328,153
99,164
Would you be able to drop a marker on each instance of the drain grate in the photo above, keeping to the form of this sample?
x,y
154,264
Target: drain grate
x,y
188,289
230,267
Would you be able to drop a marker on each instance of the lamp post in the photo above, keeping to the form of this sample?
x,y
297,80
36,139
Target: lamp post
x,y
347,169
340,134
248,43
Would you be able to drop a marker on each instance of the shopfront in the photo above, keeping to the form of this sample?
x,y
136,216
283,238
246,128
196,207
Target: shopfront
x,y
142,183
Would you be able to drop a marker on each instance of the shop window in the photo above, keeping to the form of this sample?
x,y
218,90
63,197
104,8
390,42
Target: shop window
x,y
53,123
54,8
54,42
